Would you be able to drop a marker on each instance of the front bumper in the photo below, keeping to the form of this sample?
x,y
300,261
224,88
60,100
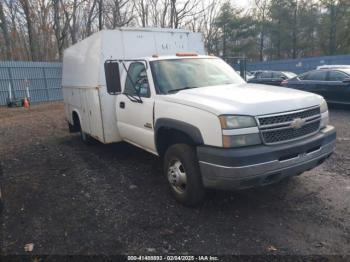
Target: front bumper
x,y
261,165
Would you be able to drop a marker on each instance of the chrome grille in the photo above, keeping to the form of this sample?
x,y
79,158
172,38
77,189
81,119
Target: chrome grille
x,y
278,128
270,120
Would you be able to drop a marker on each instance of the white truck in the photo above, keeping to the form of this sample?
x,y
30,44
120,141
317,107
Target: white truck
x,y
156,89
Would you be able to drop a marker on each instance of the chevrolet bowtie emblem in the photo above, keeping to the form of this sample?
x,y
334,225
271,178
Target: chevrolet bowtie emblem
x,y
297,123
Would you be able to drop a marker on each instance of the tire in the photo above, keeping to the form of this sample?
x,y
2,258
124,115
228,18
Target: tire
x,y
86,138
182,172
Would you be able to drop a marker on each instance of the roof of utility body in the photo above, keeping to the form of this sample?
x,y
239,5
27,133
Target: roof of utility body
x,y
173,57
148,29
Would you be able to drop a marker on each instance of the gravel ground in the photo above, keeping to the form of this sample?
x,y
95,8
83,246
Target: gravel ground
x,y
69,198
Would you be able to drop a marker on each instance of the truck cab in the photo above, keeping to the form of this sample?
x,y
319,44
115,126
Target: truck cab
x,y
209,127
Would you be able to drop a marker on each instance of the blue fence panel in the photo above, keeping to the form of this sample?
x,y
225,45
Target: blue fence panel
x,y
41,79
299,65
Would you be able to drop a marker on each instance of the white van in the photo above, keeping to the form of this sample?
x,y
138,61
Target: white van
x,y
156,89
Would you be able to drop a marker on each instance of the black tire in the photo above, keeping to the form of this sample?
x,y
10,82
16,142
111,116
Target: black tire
x,y
86,138
192,193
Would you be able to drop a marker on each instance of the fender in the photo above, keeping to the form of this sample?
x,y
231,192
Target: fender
x,y
184,127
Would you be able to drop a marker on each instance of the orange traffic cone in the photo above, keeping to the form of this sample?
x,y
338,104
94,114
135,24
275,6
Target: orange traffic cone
x,y
25,103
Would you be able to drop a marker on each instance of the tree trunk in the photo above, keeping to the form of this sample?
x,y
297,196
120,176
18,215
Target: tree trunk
x,y
100,13
57,27
3,24
33,45
333,30
295,26
73,29
279,40
224,42
172,13
89,20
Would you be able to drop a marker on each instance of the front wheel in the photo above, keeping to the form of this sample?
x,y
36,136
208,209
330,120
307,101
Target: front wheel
x,y
182,172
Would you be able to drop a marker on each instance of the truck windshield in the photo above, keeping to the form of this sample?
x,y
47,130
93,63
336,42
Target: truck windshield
x,y
178,74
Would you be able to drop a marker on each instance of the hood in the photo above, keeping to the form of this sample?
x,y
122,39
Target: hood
x,y
245,99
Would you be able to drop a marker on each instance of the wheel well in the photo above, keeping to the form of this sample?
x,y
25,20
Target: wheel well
x,y
166,137
76,121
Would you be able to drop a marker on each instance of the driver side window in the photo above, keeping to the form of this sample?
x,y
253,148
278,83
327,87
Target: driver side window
x,y
137,81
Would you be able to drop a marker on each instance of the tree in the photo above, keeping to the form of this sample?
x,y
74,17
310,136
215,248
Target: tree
x,y
237,31
261,14
5,32
33,43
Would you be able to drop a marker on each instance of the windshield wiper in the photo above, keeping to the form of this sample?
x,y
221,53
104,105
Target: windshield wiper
x,y
180,89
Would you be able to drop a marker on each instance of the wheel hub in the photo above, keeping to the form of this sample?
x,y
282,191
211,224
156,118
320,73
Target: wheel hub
x,y
177,176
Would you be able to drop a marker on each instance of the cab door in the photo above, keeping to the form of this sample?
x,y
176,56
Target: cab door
x,y
135,107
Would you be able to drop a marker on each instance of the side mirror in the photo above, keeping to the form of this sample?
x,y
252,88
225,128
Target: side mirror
x,y
112,77
346,80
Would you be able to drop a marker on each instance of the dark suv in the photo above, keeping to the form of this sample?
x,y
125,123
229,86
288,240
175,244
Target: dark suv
x,y
332,84
270,77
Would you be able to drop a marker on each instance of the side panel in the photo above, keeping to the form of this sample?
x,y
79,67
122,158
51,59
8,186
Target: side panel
x,y
72,102
94,113
84,114
109,116
81,63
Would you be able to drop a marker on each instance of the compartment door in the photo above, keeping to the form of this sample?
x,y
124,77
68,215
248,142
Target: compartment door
x,y
94,113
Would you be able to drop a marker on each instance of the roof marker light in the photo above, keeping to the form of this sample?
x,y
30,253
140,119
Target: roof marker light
x,y
186,54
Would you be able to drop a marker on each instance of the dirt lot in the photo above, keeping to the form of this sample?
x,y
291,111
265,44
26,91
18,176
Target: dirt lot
x,y
69,198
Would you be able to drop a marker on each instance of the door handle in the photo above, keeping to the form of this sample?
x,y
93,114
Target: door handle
x,y
122,104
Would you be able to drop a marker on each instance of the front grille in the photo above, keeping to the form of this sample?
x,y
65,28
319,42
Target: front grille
x,y
290,133
270,120
278,128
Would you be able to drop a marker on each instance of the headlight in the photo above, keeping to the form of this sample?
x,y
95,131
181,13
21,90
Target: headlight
x,y
232,122
323,106
241,140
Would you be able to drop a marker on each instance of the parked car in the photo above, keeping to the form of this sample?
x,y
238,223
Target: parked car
x,y
331,83
271,77
210,128
248,75
333,67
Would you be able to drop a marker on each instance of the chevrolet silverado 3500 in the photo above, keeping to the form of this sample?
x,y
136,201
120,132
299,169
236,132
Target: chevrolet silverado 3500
x,y
156,89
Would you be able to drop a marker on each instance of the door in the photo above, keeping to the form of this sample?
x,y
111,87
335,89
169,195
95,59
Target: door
x,y
262,78
135,108
338,90
277,78
315,82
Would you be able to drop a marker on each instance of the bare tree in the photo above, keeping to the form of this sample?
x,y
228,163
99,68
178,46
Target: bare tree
x,y
142,9
179,12
29,16
261,14
100,15
5,31
90,17
208,28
